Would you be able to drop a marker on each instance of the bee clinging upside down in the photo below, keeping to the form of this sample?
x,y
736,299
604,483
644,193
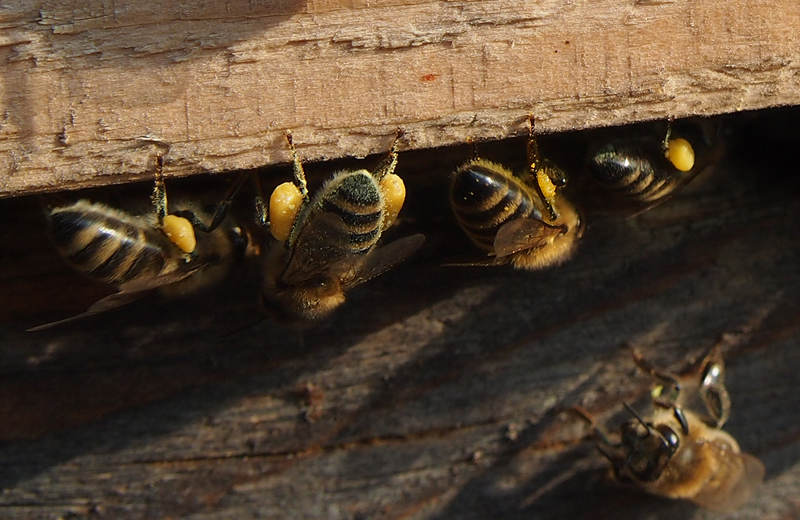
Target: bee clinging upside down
x,y
174,252
639,172
328,242
679,453
523,220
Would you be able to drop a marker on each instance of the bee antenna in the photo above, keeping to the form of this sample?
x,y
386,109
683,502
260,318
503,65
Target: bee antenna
x,y
681,418
636,415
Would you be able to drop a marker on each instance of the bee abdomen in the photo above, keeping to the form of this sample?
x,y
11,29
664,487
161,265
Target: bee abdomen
x,y
484,199
630,172
106,245
357,201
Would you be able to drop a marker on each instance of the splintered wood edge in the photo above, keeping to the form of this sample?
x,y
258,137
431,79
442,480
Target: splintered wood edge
x,y
91,100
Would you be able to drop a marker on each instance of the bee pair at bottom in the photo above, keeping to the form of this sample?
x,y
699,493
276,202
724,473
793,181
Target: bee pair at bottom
x,y
326,243
680,449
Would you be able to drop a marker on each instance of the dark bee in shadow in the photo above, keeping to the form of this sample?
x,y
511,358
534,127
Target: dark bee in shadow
x,y
328,242
523,220
638,172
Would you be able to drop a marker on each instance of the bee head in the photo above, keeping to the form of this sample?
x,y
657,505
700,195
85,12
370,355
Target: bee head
x,y
310,300
648,448
301,304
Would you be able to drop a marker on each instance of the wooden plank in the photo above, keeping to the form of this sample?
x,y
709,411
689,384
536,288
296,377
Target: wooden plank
x,y
87,88
434,392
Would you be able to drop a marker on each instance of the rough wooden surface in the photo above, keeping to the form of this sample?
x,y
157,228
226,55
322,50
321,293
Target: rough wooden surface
x,y
434,393
87,88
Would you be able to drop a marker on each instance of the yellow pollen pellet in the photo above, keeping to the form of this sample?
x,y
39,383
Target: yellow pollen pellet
x,y
546,185
284,203
180,231
680,154
394,194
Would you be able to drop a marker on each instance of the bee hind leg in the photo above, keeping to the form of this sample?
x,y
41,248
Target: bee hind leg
x,y
221,209
297,167
598,432
546,178
603,444
262,213
159,196
389,163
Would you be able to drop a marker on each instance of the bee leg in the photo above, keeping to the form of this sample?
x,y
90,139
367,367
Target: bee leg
x,y
604,444
389,163
286,200
533,146
159,196
221,209
596,430
178,229
665,143
297,168
473,149
262,213
543,182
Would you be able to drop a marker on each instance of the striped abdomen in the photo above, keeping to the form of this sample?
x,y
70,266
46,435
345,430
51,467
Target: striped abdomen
x,y
629,171
355,198
484,196
109,245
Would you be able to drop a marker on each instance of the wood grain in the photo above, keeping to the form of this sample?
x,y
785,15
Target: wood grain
x,y
91,91
434,393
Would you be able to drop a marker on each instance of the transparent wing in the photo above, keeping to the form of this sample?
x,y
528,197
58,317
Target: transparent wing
x,y
488,262
382,259
127,293
523,234
735,480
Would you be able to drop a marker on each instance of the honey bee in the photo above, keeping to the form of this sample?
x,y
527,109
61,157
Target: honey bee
x,y
328,242
140,253
523,220
678,453
638,173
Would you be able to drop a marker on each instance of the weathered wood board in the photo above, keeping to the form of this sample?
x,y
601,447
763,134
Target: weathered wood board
x,y
91,91
435,392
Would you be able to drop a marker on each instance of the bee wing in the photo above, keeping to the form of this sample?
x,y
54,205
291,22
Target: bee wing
x,y
314,251
488,262
382,259
522,234
733,482
127,293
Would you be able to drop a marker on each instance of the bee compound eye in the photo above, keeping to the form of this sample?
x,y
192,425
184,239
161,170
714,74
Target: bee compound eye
x,y
671,439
